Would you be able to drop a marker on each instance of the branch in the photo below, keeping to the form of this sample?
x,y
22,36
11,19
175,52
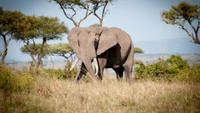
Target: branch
x,y
191,25
103,13
86,15
2,35
95,9
191,35
70,18
9,39
31,53
63,55
198,25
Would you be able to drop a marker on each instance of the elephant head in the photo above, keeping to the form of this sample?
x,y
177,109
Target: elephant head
x,y
89,42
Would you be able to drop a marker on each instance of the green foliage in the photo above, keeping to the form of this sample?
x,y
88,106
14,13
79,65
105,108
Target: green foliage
x,y
35,49
50,27
9,21
180,13
138,50
41,27
184,15
44,27
15,81
58,73
172,69
61,49
178,61
70,74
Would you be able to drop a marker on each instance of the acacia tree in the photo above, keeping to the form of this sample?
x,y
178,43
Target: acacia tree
x,y
138,50
63,50
71,7
33,50
8,24
41,28
183,15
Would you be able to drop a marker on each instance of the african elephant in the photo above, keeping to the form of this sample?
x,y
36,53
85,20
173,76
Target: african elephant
x,y
107,47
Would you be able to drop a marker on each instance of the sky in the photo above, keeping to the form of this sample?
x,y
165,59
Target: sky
x,y
139,18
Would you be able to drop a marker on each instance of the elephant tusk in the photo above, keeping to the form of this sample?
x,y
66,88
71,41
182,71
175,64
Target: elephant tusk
x,y
96,66
74,63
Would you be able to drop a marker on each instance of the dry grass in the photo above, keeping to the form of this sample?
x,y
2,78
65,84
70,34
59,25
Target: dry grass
x,y
62,96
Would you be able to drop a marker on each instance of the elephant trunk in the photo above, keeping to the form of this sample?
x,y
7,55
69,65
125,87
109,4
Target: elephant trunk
x,y
95,64
88,65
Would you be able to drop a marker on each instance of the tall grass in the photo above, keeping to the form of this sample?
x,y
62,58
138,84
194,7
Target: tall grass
x,y
52,95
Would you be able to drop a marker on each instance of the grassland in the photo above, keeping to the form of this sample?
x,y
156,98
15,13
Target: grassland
x,y
52,95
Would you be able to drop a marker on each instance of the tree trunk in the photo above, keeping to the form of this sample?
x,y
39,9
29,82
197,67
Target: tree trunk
x,y
196,41
40,55
5,51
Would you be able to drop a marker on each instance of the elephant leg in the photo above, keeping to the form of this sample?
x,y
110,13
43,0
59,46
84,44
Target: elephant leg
x,y
128,67
102,65
82,72
119,72
128,73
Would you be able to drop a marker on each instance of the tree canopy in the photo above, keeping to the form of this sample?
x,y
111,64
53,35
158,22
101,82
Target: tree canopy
x,y
42,28
138,50
35,49
182,15
9,21
71,7
62,49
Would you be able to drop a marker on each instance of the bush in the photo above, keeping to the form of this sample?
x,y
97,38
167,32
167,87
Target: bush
x,y
70,74
15,81
178,61
172,69
58,73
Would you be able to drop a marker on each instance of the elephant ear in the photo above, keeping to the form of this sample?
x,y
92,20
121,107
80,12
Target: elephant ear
x,y
73,38
107,40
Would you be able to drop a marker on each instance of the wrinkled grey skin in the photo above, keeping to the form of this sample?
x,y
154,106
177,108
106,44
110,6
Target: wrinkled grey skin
x,y
112,47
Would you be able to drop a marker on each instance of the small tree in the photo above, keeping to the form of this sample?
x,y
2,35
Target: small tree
x,y
138,50
182,15
34,50
8,24
63,50
42,27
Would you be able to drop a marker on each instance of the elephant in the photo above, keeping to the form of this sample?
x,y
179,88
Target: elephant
x,y
106,47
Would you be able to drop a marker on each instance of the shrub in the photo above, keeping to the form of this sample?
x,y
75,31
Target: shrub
x,y
172,69
13,80
178,61
58,73
69,74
